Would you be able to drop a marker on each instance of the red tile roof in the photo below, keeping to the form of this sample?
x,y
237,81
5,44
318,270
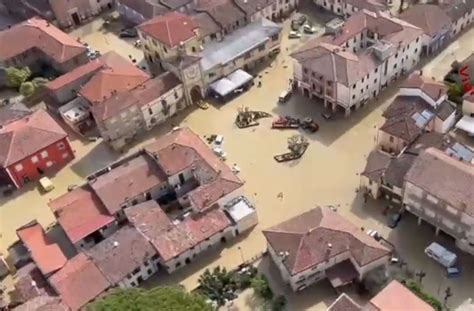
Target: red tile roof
x,y
430,87
171,28
141,95
27,136
192,231
429,17
126,181
121,253
79,282
344,303
80,213
47,255
76,74
182,149
38,33
444,177
396,297
117,75
318,235
172,239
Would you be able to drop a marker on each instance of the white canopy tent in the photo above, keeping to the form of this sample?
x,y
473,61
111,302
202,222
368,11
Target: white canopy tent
x,y
235,80
466,124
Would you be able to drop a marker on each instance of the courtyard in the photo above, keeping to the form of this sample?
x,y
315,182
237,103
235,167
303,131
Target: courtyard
x,y
328,173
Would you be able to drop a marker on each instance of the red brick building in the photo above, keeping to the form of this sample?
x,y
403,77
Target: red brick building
x,y
32,146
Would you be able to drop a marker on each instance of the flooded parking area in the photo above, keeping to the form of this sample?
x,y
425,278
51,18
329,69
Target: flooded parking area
x,y
327,174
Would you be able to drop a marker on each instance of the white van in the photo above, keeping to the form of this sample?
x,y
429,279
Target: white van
x,y
444,257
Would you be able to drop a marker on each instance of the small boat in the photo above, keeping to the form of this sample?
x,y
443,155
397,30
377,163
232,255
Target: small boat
x,y
290,156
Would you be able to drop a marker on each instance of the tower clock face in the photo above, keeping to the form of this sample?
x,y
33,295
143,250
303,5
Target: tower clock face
x,y
191,72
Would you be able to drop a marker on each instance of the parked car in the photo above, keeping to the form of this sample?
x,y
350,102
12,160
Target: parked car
x,y
284,96
294,35
220,153
128,33
393,220
440,254
309,29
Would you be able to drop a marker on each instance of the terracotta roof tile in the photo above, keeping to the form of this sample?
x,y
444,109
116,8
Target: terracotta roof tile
x,y
171,28
126,181
148,218
38,33
30,283
395,297
47,255
27,136
444,177
344,303
377,163
80,213
142,94
43,303
76,74
252,7
79,282
121,253
116,76
190,232
429,17
430,87
223,12
13,113
183,149
319,234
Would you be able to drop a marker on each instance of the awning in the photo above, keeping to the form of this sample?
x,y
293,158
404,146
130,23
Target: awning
x,y
466,124
342,274
230,83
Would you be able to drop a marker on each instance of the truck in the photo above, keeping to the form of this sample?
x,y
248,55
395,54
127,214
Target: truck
x,y
441,255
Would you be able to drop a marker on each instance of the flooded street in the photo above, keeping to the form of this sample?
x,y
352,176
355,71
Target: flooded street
x,y
328,173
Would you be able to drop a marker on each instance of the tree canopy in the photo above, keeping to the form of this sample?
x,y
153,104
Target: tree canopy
x,y
218,285
159,298
16,76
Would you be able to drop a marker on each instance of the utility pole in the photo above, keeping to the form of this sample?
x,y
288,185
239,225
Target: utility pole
x,y
448,293
420,276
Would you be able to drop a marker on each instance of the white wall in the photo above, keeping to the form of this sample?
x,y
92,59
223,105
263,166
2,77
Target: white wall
x,y
147,269
468,106
372,186
157,116
383,141
247,222
443,127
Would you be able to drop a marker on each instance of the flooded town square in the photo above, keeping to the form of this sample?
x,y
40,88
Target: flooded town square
x,y
327,174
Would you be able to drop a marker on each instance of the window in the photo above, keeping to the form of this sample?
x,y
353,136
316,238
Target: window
x,y
49,164
193,49
355,39
136,270
361,91
178,264
275,37
247,55
65,155
395,66
376,70
18,167
176,95
213,36
354,86
353,97
367,87
375,81
363,79
417,40
396,55
150,111
391,139
61,146
34,159
164,49
44,154
416,50
149,271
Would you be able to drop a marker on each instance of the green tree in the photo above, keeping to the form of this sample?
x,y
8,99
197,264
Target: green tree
x,y
27,89
455,92
17,76
218,285
416,289
261,287
159,298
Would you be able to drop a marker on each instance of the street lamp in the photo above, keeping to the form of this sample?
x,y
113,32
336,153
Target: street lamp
x,y
241,254
421,275
448,293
